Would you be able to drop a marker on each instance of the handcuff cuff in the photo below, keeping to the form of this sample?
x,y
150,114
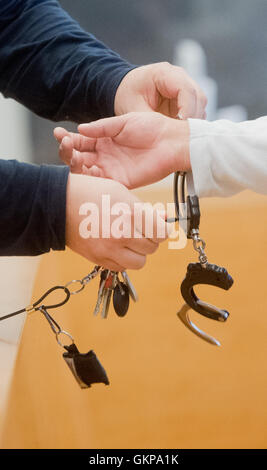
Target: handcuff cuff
x,y
197,273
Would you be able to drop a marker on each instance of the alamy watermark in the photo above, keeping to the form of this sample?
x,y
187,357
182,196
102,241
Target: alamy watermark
x,y
120,220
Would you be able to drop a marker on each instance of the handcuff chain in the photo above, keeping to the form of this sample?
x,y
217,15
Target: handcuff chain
x,y
193,215
199,248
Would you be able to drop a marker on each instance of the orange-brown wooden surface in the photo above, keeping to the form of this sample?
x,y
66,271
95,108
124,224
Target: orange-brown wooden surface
x,y
168,388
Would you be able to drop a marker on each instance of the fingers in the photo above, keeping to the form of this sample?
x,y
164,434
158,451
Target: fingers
x,y
187,104
191,102
108,127
70,156
79,142
142,246
127,260
79,162
112,265
150,223
131,259
60,133
133,254
66,150
173,82
93,171
106,234
75,150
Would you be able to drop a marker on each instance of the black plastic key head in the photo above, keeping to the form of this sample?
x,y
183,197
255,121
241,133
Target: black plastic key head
x,y
121,299
210,274
86,368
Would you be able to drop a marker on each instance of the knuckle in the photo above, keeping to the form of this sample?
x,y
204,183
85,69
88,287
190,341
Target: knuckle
x,y
61,152
203,98
140,262
154,248
192,91
180,69
98,253
80,142
165,65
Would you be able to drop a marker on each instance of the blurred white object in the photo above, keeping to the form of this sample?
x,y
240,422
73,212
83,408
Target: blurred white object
x,y
191,56
236,113
17,273
17,278
15,131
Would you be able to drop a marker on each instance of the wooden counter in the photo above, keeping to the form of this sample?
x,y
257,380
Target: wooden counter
x,y
168,388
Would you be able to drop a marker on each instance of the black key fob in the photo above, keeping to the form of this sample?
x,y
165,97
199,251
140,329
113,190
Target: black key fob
x,y
86,368
121,299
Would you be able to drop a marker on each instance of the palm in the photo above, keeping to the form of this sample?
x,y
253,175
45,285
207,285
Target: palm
x,y
135,149
138,155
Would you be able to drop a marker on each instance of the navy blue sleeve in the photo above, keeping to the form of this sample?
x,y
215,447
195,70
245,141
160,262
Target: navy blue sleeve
x,y
54,67
32,208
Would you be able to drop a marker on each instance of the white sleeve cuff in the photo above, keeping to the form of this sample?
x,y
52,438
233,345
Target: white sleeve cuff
x,y
200,157
228,157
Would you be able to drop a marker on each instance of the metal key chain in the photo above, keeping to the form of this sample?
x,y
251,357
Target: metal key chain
x,y
86,368
202,272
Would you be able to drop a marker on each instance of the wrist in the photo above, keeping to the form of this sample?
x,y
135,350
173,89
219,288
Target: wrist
x,y
181,139
124,91
78,191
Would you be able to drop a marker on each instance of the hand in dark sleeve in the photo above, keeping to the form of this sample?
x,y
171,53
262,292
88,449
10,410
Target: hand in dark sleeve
x,y
42,208
32,208
52,66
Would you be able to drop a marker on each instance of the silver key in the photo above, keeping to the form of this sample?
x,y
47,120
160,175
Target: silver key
x,y
130,286
109,286
99,301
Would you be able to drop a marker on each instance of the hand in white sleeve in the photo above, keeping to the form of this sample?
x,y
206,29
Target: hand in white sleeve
x,y
141,148
228,157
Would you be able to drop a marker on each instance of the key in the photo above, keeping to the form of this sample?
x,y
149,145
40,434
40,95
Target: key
x,y
99,301
130,286
107,292
121,298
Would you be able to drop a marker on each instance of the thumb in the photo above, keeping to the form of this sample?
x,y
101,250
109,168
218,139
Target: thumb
x,y
108,127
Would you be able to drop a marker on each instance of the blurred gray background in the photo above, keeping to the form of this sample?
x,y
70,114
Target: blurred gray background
x,y
233,35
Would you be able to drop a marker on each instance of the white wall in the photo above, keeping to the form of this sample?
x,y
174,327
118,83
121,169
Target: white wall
x,y
16,273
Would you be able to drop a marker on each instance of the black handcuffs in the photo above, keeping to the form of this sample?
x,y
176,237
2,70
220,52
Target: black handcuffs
x,y
201,272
